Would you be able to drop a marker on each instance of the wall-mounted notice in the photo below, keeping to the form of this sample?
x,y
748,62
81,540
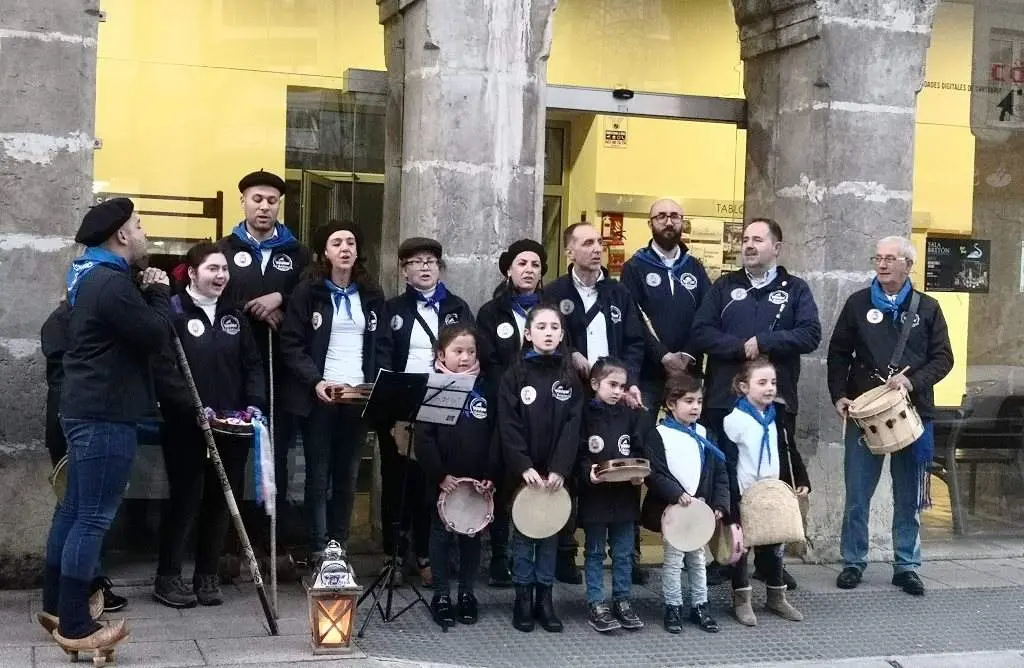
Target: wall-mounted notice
x,y
954,264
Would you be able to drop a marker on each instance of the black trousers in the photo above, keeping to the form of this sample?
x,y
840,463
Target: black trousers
x,y
414,518
442,543
768,562
498,529
196,496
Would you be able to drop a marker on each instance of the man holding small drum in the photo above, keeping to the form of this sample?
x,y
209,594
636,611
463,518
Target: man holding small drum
x,y
864,354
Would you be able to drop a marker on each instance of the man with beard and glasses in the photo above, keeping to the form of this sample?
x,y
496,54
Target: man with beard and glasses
x,y
759,310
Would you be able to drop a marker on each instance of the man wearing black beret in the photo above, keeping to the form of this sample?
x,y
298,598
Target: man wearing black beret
x,y
266,262
113,330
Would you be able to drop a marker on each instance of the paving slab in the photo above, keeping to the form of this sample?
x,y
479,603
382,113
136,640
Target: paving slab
x,y
1009,570
958,575
173,654
15,657
23,634
261,650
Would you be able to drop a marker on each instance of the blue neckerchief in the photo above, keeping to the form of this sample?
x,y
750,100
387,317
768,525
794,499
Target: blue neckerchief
x,y
522,304
281,238
597,403
705,445
89,260
882,303
339,294
765,420
434,301
647,255
532,352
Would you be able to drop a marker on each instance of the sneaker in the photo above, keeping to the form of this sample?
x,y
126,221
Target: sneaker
x,y
910,582
111,601
172,591
674,618
602,619
207,589
626,615
849,578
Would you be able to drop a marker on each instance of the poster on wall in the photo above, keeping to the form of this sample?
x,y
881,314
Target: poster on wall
x,y
954,264
616,131
997,81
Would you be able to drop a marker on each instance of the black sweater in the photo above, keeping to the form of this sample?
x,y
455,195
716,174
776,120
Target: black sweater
x,y
501,341
609,432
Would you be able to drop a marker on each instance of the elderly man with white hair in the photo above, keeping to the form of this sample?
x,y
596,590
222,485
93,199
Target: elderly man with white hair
x,y
863,354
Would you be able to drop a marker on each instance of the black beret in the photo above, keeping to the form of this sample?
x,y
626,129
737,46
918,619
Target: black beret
x,y
321,234
523,246
414,245
102,220
261,178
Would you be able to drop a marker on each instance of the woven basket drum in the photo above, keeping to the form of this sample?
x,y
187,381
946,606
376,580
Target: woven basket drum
x,y
887,419
770,513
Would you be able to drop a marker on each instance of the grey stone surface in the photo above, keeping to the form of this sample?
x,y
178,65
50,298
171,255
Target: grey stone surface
x,y
176,654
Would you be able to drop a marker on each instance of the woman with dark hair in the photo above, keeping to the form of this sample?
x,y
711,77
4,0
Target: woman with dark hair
x,y
334,334
228,372
502,325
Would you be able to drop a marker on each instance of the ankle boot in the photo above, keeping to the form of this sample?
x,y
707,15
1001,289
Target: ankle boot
x,y
778,604
741,607
522,617
544,610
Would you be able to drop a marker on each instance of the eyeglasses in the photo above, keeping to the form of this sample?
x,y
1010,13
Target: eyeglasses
x,y
662,217
424,264
885,259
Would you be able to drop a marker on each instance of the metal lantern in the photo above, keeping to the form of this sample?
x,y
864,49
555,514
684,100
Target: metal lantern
x,y
332,603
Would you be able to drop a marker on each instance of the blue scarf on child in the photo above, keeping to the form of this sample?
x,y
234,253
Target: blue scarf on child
x,y
339,294
92,257
705,445
765,420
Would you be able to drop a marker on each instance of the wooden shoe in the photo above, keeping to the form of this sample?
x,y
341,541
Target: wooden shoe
x,y
51,622
100,643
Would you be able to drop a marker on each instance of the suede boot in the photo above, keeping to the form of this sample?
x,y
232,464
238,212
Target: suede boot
x,y
741,607
778,604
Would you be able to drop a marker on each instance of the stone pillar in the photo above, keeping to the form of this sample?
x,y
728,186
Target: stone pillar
x,y
472,129
48,85
831,88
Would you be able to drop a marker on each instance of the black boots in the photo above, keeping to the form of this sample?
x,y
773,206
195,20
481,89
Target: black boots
x,y
443,611
522,611
544,610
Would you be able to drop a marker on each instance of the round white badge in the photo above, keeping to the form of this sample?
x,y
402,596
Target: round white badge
x,y
616,314
451,319
739,294
595,444
566,306
778,297
653,279
229,325
196,327
283,263
371,323
528,395
689,281
506,330
560,391
875,316
478,408
243,259
624,445
396,323
317,320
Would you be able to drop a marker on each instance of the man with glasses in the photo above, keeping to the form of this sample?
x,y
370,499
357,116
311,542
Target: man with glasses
x,y
861,357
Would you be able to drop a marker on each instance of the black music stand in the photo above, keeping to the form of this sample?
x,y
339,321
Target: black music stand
x,y
412,398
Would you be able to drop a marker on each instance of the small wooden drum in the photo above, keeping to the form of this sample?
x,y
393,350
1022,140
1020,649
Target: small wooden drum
x,y
622,470
231,424
538,512
688,528
466,510
347,394
887,419
59,478
727,543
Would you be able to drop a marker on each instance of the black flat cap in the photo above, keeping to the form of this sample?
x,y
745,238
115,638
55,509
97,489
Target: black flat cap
x,y
321,234
414,245
102,220
523,246
261,178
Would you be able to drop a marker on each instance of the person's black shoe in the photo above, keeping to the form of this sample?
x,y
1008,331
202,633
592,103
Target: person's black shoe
x,y
566,569
849,578
601,618
909,582
444,613
640,575
699,616
500,576
172,591
674,618
207,589
111,601
522,610
544,610
626,615
467,611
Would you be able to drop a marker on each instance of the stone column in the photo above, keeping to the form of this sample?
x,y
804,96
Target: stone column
x,y
831,88
472,129
48,88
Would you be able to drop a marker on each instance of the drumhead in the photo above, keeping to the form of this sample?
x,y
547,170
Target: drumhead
x,y
538,512
465,510
623,470
688,528
875,401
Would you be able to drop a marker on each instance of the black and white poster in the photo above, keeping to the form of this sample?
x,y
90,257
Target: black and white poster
x,y
955,264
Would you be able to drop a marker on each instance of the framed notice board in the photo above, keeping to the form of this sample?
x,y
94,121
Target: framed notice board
x,y
955,264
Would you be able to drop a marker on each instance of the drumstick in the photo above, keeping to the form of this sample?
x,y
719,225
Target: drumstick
x,y
647,321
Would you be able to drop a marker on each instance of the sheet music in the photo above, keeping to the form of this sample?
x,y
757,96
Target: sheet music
x,y
446,395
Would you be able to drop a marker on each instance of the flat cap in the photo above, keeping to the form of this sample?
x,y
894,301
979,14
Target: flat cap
x,y
261,178
522,246
102,220
414,245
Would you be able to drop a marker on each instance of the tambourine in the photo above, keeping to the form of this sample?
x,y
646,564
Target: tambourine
x,y
58,478
349,394
622,470
539,512
688,528
465,510
727,543
231,424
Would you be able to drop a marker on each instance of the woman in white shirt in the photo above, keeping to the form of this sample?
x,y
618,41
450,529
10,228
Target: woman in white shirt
x,y
334,333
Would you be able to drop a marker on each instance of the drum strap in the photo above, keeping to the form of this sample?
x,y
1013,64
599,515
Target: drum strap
x,y
908,324
426,328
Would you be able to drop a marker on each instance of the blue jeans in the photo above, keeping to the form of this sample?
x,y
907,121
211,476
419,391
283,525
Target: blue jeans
x,y
862,470
533,561
100,456
619,536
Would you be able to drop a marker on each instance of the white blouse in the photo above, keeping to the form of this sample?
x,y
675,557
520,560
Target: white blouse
x,y
344,363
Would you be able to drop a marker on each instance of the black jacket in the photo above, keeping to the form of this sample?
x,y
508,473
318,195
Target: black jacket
x,y
859,349
670,299
402,316
783,317
306,333
113,331
785,425
467,449
609,432
625,329
538,430
53,340
501,342
663,489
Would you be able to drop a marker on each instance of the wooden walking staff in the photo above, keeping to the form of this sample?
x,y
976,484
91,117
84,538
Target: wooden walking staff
x,y
273,452
222,476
